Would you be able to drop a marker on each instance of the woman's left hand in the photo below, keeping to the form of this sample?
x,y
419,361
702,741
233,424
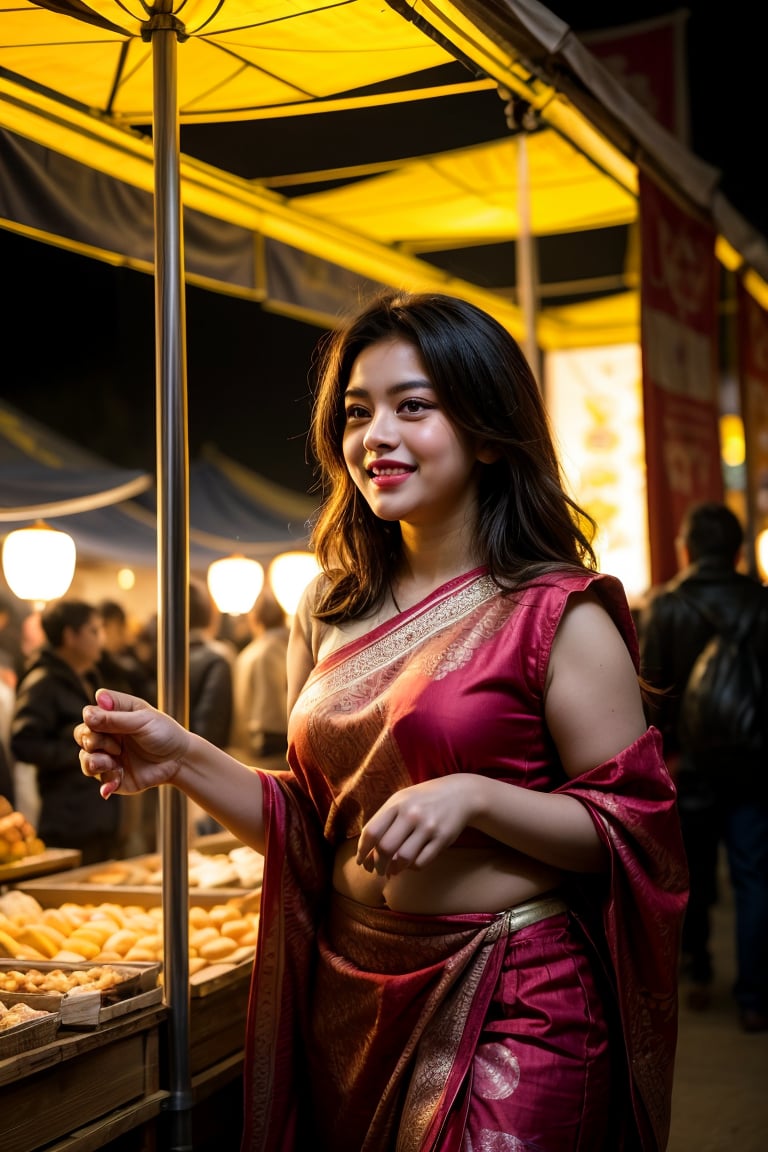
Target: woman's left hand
x,y
415,824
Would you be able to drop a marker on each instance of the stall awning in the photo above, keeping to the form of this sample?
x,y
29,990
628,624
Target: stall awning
x,y
82,93
42,474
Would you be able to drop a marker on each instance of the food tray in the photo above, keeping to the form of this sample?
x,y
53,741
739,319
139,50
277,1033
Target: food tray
x,y
224,876
217,976
41,864
31,1034
53,893
89,1009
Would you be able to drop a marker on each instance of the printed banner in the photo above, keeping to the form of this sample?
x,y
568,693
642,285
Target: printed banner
x,y
753,373
649,58
679,338
594,400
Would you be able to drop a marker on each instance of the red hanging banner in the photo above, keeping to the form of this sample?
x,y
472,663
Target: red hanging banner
x,y
753,372
679,340
649,58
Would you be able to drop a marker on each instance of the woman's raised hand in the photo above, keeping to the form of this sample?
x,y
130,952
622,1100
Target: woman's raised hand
x,y
128,745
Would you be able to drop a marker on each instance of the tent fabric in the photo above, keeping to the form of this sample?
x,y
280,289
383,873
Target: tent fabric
x,y
472,195
282,503
223,512
123,534
53,195
36,491
23,439
110,512
42,474
118,154
235,61
127,534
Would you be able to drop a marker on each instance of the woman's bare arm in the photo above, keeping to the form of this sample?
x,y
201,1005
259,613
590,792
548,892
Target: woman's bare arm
x,y
130,746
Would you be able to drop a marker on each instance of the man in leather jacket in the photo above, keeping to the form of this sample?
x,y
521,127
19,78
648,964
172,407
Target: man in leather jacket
x,y
51,695
727,805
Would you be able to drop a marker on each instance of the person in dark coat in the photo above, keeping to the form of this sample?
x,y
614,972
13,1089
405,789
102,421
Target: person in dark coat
x,y
7,788
723,799
210,685
119,665
50,697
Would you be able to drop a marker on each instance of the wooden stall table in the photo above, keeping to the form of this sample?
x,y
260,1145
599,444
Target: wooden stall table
x,y
218,1003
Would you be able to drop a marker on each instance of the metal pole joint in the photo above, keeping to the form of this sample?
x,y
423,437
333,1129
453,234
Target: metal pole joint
x,y
163,22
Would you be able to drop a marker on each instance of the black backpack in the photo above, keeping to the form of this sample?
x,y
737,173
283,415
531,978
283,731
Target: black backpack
x,y
723,705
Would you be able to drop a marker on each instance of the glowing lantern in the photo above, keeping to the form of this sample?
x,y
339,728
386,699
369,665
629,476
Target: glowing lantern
x,y
39,563
289,574
126,579
762,554
234,584
732,440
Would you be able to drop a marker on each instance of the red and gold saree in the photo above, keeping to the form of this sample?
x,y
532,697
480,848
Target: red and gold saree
x,y
376,1031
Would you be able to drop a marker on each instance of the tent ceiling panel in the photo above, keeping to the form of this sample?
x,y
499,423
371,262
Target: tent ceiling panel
x,y
43,474
77,79
110,512
240,56
473,195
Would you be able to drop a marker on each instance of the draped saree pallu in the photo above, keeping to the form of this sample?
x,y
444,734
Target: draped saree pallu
x,y
548,1027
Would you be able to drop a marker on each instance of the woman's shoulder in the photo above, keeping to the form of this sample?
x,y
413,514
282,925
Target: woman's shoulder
x,y
565,582
305,620
552,592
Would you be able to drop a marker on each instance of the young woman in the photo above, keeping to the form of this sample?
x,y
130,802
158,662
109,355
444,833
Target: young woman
x,y
474,877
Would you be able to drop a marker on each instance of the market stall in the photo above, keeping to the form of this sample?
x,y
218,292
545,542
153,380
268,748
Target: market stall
x,y
120,70
102,1053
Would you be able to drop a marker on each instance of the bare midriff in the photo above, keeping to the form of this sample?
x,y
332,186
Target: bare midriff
x,y
460,880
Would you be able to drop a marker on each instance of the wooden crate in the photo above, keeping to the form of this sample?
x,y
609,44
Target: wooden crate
x,y
31,1034
50,1092
139,989
210,979
218,1010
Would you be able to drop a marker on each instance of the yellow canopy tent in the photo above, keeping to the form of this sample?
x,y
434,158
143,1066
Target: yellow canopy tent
x,y
83,87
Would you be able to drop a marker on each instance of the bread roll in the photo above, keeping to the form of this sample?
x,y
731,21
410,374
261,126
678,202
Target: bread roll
x,y
222,948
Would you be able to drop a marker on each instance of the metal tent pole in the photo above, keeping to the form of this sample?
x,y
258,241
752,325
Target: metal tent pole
x,y
527,262
172,551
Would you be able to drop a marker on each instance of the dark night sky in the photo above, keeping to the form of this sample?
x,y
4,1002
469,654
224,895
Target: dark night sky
x,y
79,335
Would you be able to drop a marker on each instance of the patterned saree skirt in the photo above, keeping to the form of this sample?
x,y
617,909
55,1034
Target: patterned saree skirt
x,y
470,1033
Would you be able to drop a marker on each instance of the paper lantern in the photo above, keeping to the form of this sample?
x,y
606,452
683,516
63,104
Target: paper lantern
x,y
39,563
289,574
234,584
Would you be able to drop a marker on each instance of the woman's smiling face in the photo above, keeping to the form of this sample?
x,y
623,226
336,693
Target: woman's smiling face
x,y
406,457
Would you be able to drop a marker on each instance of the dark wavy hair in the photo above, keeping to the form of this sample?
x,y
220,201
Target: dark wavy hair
x,y
527,523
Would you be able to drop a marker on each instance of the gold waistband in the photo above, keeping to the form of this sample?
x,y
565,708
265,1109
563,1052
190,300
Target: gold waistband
x,y
532,911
